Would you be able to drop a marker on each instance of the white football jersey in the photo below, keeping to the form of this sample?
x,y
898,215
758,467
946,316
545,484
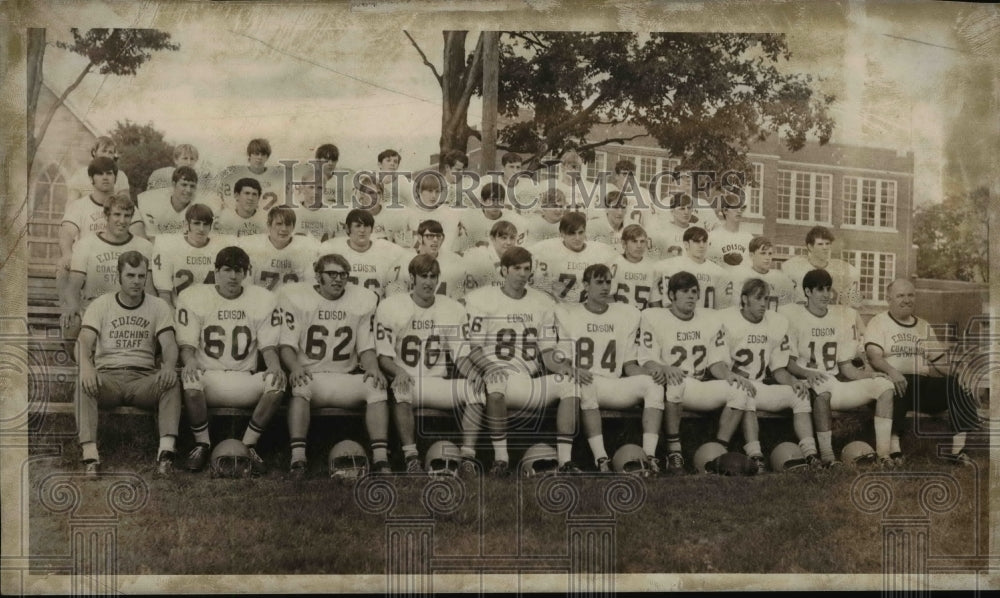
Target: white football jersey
x,y
602,343
448,217
159,216
373,268
97,259
86,215
692,345
272,267
451,282
539,229
600,230
666,239
482,268
272,185
821,342
228,222
127,336
320,224
327,335
558,270
755,347
633,282
512,331
422,341
228,333
728,248
846,279
81,182
164,177
474,228
177,264
780,288
902,345
714,286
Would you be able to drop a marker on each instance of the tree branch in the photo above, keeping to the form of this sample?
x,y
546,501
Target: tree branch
x,y
610,140
434,70
471,76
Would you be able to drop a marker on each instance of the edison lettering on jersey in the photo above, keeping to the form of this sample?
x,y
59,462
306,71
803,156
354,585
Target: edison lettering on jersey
x,y
600,328
231,314
422,324
757,338
824,332
327,314
526,318
688,335
199,260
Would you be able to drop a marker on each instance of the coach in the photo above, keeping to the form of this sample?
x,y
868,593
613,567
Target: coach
x,y
895,342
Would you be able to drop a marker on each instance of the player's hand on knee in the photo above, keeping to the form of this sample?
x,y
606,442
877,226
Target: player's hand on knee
x,y
89,379
166,378
581,375
376,380
277,377
402,383
191,373
656,373
743,384
68,317
814,378
299,377
898,381
801,389
674,376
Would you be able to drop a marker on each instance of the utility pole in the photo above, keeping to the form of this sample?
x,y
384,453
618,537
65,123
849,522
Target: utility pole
x,y
491,78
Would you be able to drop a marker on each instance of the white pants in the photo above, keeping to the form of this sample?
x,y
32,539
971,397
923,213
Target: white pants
x,y
778,397
327,389
224,388
522,391
621,393
853,394
435,393
708,395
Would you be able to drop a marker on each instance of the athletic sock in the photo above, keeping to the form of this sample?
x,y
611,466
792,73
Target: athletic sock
x,y
752,449
649,442
468,452
826,446
597,447
499,447
808,446
894,444
201,433
409,450
252,435
957,443
167,443
564,449
380,450
673,444
298,449
883,429
90,451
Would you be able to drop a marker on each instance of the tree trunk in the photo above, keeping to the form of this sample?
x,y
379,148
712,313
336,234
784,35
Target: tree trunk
x,y
458,80
36,55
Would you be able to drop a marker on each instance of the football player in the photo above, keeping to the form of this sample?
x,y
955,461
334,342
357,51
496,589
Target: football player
x,y
678,347
280,256
897,343
474,225
126,328
608,229
270,179
571,183
780,288
824,340
80,182
418,334
222,329
336,182
161,211
518,183
185,154
634,273
431,237
182,260
429,206
85,216
482,264
328,348
715,286
727,244
603,336
846,278
757,340
624,180
372,260
314,217
245,217
545,223
668,239
452,169
511,335
93,267
560,262
397,185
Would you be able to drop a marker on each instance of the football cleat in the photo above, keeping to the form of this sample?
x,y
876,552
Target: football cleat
x,y
381,468
886,463
91,467
603,465
814,462
897,458
787,456
857,453
540,459
569,468
347,461
757,465
675,464
165,463
257,465
500,469
654,465
960,458
443,458
469,468
834,465
298,470
413,465
198,457
631,459
706,453
230,459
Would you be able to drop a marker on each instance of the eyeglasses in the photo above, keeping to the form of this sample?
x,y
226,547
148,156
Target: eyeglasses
x,y
433,236
335,274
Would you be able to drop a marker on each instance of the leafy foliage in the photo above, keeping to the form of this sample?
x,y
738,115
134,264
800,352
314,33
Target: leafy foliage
x,y
141,150
953,237
118,51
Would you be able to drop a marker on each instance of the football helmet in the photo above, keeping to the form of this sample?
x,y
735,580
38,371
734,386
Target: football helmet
x,y
443,459
787,456
631,459
731,463
705,453
230,459
539,460
348,461
857,452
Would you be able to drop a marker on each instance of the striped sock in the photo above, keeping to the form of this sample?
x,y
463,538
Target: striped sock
x,y
298,449
252,435
380,450
564,448
808,446
200,432
673,444
409,450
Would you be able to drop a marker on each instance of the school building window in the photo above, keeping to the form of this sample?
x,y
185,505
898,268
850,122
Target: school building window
x,y
804,196
869,203
877,270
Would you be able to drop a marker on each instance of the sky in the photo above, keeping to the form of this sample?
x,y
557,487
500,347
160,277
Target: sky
x,y
309,75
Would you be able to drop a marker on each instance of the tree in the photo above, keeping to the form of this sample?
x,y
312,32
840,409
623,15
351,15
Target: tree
x,y
952,237
108,52
141,150
704,97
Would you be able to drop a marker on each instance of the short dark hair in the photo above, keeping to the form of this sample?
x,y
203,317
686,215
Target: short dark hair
x,y
185,173
320,264
503,227
624,165
571,221
362,217
510,158
758,243
423,265
615,199
259,146
328,151
389,153
247,182
454,157
119,200
753,287
551,196
817,279
818,232
680,199
633,232
695,234
514,256
199,212
132,259
493,191
233,257
100,166
429,226
596,271
682,281
285,213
